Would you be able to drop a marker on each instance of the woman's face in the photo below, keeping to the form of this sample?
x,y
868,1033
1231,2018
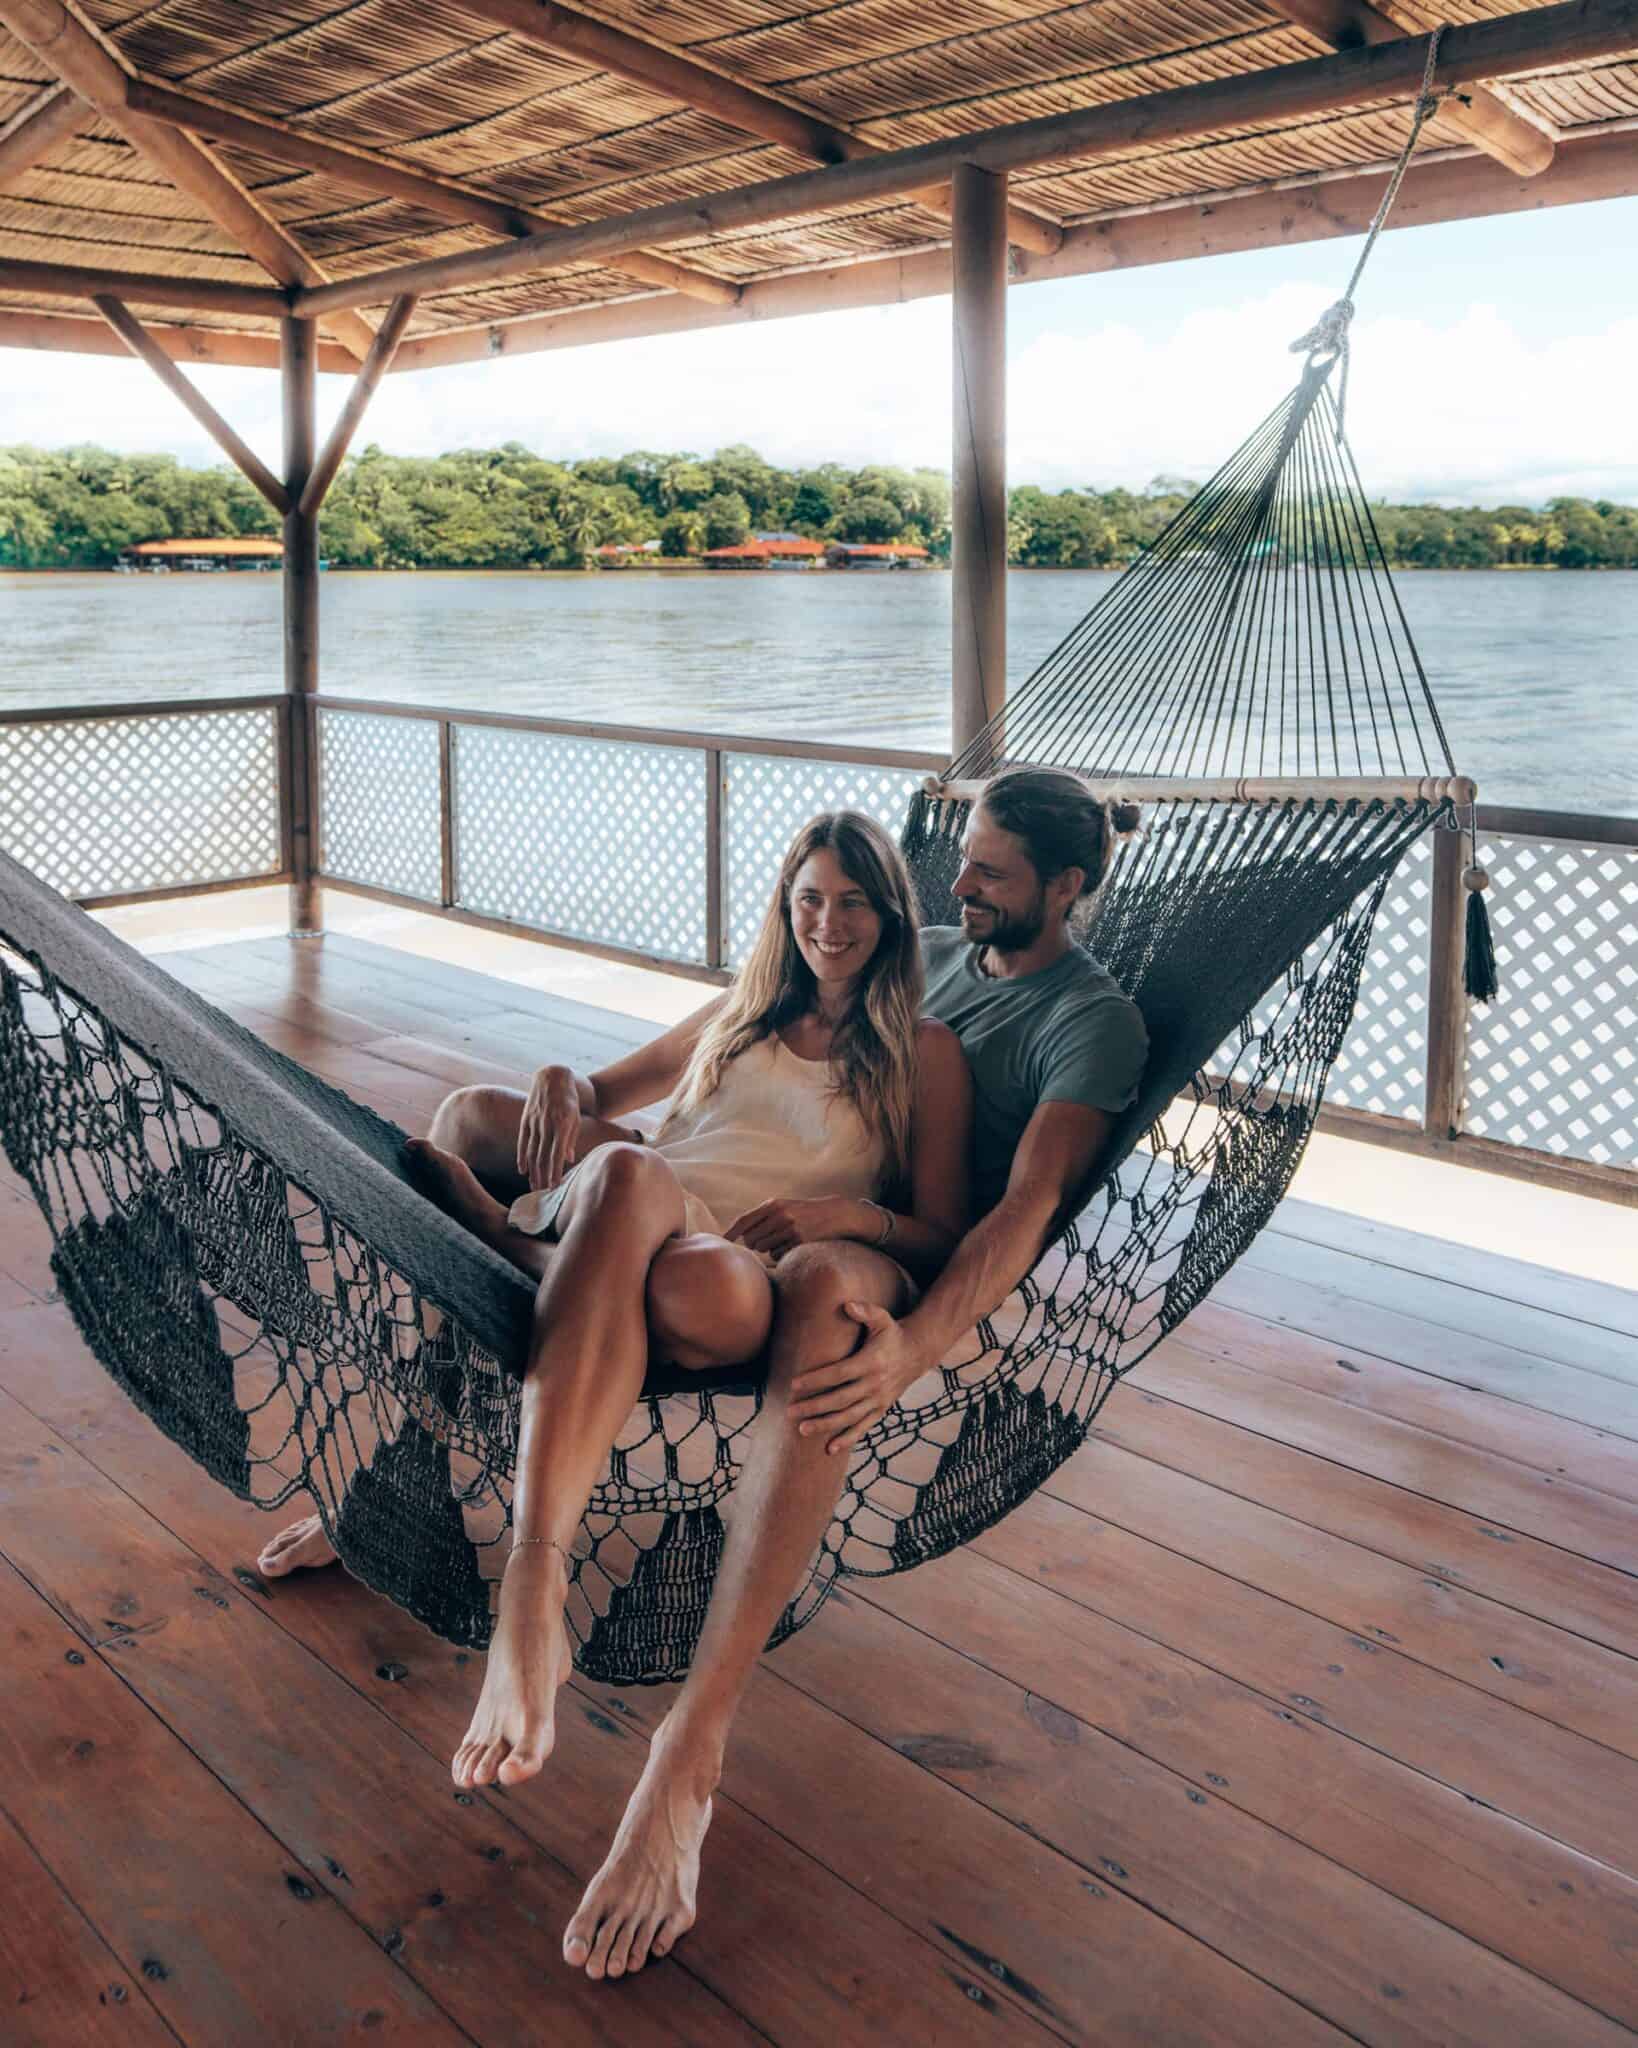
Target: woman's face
x,y
833,921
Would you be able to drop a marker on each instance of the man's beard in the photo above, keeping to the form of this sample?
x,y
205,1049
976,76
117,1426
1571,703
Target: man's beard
x,y
1010,934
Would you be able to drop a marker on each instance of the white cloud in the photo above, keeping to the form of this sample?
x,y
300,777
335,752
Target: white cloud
x,y
1465,410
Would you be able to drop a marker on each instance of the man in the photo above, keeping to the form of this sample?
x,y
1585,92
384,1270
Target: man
x,y
1056,1050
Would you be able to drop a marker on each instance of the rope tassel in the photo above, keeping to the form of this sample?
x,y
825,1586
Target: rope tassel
x,y
1479,952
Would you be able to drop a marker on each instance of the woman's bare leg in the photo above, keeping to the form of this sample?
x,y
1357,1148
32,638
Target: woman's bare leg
x,y
643,1898
469,1164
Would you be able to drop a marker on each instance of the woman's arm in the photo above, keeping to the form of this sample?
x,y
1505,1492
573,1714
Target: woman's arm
x,y
559,1097
923,1238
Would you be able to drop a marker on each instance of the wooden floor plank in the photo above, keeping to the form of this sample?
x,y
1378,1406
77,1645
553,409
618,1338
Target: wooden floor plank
x,y
1561,1678
310,1755
1493,1273
75,1742
1555,1551
1574,1451
59,1980
1567,1917
1470,1362
1573,1789
1442,1304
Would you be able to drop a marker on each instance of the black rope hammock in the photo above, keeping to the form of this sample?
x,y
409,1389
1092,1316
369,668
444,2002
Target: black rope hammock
x,y
241,1246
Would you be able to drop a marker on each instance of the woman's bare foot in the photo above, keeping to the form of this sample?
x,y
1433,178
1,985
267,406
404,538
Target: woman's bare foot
x,y
642,1899
447,1180
300,1546
514,1723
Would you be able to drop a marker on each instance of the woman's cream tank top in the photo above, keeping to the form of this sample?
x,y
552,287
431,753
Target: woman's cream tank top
x,y
774,1126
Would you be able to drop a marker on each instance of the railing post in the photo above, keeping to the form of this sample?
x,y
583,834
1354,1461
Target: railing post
x,y
978,506
1447,997
446,813
716,944
298,358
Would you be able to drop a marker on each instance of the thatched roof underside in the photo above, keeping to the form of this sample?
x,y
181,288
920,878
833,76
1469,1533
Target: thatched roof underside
x,y
442,92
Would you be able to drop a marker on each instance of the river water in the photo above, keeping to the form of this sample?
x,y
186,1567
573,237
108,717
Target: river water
x,y
1536,674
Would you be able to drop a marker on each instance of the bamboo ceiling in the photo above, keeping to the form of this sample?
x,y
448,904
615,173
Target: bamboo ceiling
x,y
544,133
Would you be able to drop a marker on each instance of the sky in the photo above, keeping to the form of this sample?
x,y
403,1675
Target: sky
x,y
1492,362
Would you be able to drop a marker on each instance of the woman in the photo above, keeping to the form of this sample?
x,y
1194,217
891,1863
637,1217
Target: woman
x,y
809,1102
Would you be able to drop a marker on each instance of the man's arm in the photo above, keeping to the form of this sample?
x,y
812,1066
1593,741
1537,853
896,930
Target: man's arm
x,y
1055,1156
1060,1146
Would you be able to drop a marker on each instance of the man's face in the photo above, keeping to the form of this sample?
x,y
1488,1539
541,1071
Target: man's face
x,y
1003,900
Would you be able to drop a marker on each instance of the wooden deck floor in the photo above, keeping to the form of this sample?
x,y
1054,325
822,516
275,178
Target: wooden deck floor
x,y
1300,1707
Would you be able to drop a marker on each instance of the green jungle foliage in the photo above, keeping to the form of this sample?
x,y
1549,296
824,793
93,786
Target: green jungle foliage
x,y
505,508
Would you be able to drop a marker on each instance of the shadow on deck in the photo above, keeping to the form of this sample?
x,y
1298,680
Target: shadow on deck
x,y
1299,1707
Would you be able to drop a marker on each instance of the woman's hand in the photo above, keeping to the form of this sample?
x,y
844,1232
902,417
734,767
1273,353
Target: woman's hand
x,y
775,1227
550,1128
843,1400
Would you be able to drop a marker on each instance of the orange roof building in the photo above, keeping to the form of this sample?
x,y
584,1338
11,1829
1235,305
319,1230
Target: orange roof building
x,y
239,547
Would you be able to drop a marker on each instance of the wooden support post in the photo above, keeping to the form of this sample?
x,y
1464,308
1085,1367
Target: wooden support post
x,y
978,513
374,368
142,344
1443,1088
299,362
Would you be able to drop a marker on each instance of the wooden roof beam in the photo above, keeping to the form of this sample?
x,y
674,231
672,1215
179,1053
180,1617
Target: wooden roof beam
x,y
1467,187
197,294
71,334
136,338
1480,116
375,367
1379,74
81,59
363,171
741,106
48,119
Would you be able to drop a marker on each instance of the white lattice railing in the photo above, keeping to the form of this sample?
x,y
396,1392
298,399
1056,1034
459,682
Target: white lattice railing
x,y
117,804
661,847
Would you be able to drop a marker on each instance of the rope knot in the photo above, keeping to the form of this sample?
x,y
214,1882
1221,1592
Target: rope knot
x,y
1329,333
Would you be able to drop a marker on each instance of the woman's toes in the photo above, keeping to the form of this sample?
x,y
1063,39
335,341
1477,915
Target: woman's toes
x,y
523,1762
598,1966
620,1949
576,1948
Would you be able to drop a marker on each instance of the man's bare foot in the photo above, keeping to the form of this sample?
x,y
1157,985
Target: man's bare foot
x,y
447,1180
300,1546
515,1721
642,1899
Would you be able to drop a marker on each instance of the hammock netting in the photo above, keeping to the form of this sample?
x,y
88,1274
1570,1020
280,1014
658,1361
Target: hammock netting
x,y
242,1248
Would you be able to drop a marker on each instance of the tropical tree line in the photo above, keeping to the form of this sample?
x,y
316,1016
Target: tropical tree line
x,y
502,508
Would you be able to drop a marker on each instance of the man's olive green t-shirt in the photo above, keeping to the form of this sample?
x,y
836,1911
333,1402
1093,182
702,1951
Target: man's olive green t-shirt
x,y
1067,1033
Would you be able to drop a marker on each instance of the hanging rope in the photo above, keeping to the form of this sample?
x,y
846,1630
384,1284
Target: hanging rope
x,y
1328,337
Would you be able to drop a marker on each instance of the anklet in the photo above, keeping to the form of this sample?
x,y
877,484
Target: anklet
x,y
519,1542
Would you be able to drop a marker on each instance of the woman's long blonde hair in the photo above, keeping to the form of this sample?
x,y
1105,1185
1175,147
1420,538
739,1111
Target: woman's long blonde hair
x,y
872,1051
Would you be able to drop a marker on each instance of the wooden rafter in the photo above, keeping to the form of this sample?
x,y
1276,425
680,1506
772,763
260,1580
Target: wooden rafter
x,y
375,366
1480,116
365,171
83,61
71,334
48,119
136,338
1466,187
759,113
147,288
1370,75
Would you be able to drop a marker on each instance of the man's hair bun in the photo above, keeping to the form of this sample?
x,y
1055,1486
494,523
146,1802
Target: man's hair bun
x,y
1124,817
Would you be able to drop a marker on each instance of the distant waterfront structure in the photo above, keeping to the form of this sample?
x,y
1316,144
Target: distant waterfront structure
x,y
257,552
769,551
876,554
